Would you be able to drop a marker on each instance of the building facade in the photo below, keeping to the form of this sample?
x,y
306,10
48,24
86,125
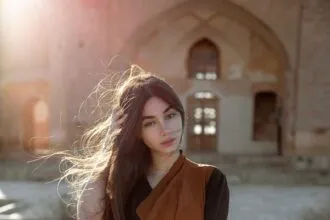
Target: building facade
x,y
253,75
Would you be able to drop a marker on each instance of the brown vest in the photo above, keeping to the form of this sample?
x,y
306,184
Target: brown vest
x,y
180,195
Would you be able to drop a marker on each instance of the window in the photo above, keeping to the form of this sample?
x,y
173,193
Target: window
x,y
203,62
202,120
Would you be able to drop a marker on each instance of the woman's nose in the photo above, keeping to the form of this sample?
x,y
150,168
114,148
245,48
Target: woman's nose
x,y
163,128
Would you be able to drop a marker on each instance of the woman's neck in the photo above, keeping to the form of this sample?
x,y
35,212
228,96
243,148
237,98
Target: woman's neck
x,y
163,162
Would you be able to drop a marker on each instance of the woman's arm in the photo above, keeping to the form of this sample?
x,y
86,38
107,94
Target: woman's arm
x,y
91,206
217,197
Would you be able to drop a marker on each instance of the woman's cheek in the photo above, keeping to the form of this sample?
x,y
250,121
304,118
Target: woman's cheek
x,y
176,125
149,135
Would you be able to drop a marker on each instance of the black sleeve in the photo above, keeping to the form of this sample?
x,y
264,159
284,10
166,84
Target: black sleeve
x,y
217,197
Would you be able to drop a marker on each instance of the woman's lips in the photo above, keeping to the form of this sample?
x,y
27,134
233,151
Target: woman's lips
x,y
168,142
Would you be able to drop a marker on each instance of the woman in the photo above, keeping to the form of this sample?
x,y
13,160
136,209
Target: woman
x,y
136,169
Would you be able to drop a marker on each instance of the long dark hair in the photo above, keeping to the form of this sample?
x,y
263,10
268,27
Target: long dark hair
x,y
130,157
117,156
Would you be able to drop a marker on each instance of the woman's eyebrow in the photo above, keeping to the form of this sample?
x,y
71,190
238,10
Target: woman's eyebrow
x,y
167,109
150,117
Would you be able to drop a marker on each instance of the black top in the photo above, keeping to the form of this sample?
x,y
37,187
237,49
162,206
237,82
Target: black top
x,y
216,198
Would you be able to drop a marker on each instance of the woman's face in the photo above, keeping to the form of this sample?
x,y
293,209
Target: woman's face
x,y
161,126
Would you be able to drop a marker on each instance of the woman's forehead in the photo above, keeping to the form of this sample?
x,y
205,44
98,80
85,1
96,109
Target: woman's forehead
x,y
154,106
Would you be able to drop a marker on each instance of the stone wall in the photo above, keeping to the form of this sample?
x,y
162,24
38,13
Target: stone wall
x,y
313,118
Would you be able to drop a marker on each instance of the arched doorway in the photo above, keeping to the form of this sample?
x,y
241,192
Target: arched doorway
x,y
150,40
203,64
264,126
266,123
36,126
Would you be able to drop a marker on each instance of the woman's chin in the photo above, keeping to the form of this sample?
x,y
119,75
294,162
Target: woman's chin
x,y
166,150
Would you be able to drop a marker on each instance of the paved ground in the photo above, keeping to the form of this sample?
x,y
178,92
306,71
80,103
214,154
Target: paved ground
x,y
247,202
279,203
43,200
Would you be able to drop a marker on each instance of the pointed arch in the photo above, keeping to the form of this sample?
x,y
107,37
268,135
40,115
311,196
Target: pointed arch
x,y
226,8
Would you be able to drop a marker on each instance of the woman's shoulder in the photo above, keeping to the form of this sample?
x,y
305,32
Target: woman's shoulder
x,y
212,172
217,176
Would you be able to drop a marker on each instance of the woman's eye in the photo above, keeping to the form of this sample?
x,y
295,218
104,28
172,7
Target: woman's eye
x,y
171,115
147,124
